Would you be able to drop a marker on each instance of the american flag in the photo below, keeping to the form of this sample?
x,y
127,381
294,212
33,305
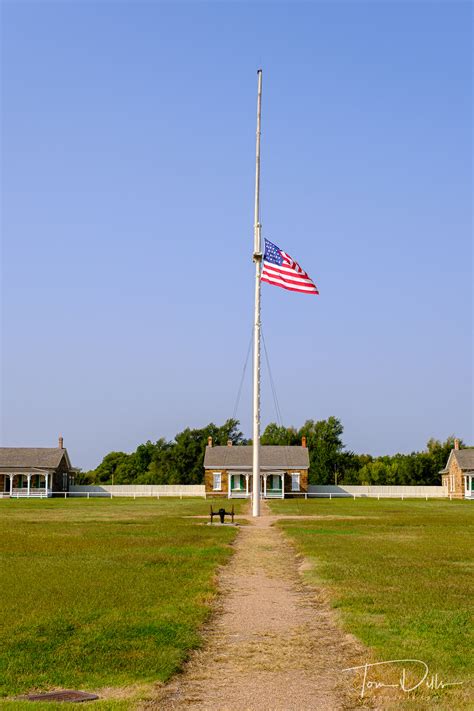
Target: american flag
x,y
280,269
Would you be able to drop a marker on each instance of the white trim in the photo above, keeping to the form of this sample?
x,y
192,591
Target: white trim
x,y
295,481
270,470
216,479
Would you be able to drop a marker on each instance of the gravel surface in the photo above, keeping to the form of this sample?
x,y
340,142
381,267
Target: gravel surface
x,y
273,643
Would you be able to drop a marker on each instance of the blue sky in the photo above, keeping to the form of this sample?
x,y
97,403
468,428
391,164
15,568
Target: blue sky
x,y
128,135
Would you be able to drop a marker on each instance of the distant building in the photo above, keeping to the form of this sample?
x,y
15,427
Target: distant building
x,y
39,472
283,470
458,474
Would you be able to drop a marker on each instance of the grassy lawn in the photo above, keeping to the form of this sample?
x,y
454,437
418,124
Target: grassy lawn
x,y
401,575
102,593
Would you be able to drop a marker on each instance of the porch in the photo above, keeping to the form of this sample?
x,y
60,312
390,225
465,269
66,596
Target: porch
x,y
27,485
469,486
272,485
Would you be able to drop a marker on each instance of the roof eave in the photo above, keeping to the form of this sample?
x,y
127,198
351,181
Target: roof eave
x,y
248,467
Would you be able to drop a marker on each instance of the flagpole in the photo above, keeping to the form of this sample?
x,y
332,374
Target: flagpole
x,y
257,258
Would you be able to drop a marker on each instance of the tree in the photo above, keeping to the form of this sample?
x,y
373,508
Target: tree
x,y
181,460
325,448
144,456
81,477
374,472
104,473
126,471
279,435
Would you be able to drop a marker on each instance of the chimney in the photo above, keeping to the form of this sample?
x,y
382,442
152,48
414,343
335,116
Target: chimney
x,y
303,441
229,443
456,444
209,441
60,442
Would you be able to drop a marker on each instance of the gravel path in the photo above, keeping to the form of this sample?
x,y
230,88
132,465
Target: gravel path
x,y
273,643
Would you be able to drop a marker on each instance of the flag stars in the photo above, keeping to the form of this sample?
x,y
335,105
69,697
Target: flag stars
x,y
281,270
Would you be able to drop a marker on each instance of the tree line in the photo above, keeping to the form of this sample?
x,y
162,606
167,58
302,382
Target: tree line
x,y
181,460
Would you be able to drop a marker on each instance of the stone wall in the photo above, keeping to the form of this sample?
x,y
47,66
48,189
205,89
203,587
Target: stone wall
x,y
303,480
209,482
454,480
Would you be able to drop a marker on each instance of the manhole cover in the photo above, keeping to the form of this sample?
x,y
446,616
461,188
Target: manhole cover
x,y
62,695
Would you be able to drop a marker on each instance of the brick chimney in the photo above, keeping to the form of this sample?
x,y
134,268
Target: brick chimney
x,y
303,441
456,444
60,442
229,443
209,441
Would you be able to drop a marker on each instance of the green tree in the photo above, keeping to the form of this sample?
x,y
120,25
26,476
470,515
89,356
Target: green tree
x,y
374,472
279,435
324,440
182,461
105,472
127,470
143,456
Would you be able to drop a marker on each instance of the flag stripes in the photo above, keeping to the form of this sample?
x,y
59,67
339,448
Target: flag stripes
x,y
281,270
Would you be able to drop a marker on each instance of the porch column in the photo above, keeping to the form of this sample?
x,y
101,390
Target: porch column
x,y
46,477
28,488
247,484
282,486
265,486
11,483
229,485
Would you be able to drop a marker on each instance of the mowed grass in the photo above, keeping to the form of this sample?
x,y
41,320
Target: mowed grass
x,y
401,573
103,593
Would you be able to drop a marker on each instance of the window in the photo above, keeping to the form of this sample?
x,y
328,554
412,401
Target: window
x,y
295,482
217,481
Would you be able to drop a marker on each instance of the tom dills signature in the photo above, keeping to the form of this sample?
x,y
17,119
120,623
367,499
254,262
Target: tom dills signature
x,y
419,676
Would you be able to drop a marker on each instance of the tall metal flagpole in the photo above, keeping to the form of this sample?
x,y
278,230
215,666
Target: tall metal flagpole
x,y
257,258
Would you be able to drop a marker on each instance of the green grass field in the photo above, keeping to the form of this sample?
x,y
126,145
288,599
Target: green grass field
x,y
400,573
112,593
102,593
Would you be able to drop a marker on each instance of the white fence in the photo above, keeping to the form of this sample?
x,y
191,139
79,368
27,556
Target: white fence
x,y
137,490
378,492
198,490
314,491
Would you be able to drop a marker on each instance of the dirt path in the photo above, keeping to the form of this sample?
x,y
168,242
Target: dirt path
x,y
273,644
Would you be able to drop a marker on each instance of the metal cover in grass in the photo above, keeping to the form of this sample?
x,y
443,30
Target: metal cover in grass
x,y
62,695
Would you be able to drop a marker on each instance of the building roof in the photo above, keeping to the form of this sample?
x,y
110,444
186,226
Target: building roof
x,y
464,458
32,457
271,456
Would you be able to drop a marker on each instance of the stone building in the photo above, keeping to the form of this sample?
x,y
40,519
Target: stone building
x,y
458,474
283,470
35,472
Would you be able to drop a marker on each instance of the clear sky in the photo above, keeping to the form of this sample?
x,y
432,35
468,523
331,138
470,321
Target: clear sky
x,y
128,135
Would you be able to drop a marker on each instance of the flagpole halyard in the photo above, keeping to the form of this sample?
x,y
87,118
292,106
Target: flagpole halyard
x,y
257,258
